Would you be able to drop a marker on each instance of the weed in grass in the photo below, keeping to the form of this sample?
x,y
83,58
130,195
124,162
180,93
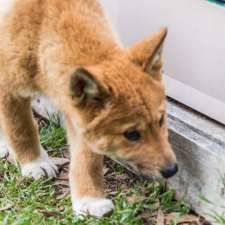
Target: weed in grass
x,y
219,218
169,205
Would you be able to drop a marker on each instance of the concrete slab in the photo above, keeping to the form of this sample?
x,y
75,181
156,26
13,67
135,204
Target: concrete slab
x,y
200,147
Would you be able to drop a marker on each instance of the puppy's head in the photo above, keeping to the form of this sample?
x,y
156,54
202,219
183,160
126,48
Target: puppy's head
x,y
120,105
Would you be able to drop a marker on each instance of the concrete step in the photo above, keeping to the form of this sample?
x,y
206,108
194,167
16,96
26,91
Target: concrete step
x,y
199,144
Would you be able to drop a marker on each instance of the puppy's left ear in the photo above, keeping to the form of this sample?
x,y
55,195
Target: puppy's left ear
x,y
148,53
86,89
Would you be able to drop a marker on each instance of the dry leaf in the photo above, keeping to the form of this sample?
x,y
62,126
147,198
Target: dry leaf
x,y
64,193
160,217
105,170
66,154
147,217
62,183
63,176
11,159
49,213
9,206
135,199
203,221
60,162
181,220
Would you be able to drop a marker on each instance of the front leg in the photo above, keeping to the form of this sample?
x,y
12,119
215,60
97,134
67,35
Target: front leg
x,y
86,178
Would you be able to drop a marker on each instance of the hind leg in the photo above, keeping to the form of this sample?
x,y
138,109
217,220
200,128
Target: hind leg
x,y
22,138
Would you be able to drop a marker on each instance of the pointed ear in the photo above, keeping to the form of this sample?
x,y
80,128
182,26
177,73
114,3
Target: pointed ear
x,y
85,89
148,53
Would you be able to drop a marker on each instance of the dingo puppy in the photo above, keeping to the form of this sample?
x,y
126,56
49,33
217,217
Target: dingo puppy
x,y
113,98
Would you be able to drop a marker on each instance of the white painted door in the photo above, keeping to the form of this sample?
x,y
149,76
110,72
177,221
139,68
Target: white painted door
x,y
195,48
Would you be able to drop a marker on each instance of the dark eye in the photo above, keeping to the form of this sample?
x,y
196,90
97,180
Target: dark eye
x,y
132,135
161,121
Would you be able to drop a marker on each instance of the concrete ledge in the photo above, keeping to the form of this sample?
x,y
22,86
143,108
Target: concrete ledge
x,y
200,147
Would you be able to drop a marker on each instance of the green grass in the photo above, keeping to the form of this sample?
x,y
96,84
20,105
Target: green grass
x,y
218,218
52,136
27,202
36,202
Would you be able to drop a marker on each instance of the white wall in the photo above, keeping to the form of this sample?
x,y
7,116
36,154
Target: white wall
x,y
195,48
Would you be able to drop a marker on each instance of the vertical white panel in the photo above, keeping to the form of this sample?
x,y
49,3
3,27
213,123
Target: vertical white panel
x,y
195,48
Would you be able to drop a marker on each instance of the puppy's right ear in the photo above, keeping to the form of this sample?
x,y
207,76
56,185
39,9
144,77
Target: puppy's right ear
x,y
86,89
148,54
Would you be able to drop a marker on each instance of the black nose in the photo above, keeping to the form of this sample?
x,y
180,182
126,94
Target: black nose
x,y
169,171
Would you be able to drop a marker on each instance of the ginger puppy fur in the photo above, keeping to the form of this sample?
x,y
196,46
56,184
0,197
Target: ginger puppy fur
x,y
113,98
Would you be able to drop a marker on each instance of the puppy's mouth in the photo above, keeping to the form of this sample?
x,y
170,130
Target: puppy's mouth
x,y
128,166
137,171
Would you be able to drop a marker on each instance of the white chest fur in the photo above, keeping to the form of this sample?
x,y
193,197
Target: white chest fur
x,y
5,7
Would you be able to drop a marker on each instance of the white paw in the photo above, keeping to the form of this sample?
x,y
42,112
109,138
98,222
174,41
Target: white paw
x,y
92,206
41,167
4,151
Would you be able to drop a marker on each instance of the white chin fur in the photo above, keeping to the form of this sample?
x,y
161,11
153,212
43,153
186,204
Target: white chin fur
x,y
92,206
41,167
